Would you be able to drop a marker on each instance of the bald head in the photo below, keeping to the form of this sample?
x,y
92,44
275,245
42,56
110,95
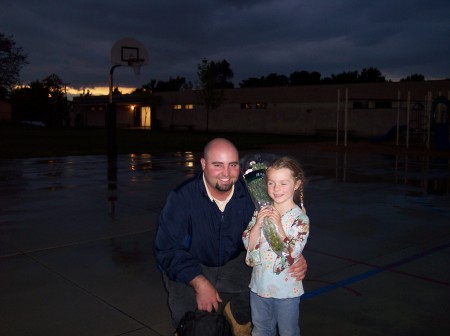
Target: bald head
x,y
219,145
220,164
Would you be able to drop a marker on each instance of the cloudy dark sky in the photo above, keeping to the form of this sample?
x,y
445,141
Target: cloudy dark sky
x,y
73,39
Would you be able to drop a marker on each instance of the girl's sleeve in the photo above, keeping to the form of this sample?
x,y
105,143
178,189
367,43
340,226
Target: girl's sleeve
x,y
297,241
252,258
246,234
294,243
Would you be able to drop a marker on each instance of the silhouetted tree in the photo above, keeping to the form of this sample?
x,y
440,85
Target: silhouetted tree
x,y
270,80
252,82
413,78
86,93
173,84
55,87
41,101
371,75
345,77
12,59
213,78
116,91
29,102
146,88
275,79
215,75
304,78
150,86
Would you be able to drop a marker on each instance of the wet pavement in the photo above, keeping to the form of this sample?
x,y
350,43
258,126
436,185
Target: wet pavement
x,y
76,240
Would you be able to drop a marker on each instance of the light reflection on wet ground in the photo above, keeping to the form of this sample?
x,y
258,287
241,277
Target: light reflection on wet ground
x,y
429,175
81,228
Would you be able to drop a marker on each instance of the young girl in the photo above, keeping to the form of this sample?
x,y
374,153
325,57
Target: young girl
x,y
275,294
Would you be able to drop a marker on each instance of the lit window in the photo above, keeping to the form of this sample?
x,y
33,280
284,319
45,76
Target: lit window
x,y
246,106
261,105
189,106
177,107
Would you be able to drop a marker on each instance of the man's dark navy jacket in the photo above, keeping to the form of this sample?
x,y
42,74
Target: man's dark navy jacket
x,y
193,231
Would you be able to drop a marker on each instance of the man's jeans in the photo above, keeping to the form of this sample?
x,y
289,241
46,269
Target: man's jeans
x,y
267,313
230,280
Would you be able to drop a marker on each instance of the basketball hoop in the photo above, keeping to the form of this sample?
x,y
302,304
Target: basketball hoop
x,y
127,52
136,64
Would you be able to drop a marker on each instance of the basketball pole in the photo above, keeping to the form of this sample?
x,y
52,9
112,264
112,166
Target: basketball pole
x,y
111,120
111,117
111,75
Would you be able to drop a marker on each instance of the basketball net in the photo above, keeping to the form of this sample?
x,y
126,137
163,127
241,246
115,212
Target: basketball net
x,y
136,65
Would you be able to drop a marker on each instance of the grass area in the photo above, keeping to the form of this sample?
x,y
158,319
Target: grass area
x,y
18,141
21,141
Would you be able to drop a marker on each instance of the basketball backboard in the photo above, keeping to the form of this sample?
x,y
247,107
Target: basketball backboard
x,y
129,52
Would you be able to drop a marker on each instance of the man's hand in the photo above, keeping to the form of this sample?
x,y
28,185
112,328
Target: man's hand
x,y
206,295
298,269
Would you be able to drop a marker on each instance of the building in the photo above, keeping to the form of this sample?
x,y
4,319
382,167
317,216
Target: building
x,y
361,110
131,111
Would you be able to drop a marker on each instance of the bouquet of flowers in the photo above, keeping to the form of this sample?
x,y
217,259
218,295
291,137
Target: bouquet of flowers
x,y
255,179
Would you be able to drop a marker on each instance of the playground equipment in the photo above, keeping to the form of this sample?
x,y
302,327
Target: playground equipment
x,y
440,122
427,121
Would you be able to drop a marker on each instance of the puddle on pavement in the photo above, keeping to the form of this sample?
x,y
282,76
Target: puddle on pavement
x,y
427,175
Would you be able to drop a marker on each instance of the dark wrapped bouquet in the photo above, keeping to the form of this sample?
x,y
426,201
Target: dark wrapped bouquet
x,y
255,178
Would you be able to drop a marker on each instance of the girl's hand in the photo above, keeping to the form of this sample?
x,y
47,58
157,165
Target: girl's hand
x,y
275,217
263,212
255,232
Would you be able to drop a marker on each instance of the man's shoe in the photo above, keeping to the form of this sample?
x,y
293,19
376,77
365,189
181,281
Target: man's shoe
x,y
236,328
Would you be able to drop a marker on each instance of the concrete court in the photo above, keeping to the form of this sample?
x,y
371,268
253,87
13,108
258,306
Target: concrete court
x,y
76,238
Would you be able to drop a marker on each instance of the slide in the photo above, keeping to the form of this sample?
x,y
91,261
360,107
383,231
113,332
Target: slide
x,y
390,134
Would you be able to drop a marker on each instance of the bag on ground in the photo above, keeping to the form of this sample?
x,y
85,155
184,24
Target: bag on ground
x,y
203,323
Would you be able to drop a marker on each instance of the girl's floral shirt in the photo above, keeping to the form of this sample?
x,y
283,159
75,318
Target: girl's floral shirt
x,y
270,278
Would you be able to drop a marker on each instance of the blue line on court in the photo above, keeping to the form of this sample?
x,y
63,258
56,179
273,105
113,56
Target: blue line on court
x,y
365,275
